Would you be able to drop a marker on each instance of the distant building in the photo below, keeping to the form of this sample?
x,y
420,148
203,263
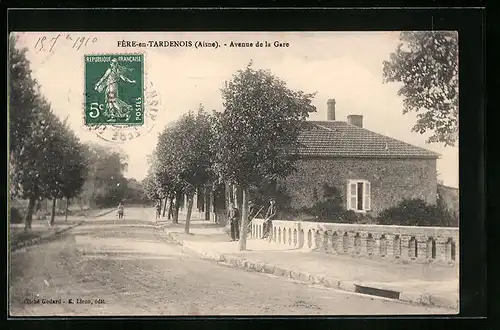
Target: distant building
x,y
371,171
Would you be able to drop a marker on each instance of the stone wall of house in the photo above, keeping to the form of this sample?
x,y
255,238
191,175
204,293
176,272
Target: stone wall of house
x,y
450,197
392,180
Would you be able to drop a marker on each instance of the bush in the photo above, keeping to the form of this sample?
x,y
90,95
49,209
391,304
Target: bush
x,y
16,216
415,212
331,209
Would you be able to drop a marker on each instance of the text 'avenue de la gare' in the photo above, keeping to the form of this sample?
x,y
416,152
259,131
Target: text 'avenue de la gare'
x,y
201,44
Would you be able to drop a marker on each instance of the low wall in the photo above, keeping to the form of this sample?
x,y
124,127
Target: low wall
x,y
417,244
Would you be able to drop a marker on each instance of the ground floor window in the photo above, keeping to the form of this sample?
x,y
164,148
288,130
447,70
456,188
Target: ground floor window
x,y
358,195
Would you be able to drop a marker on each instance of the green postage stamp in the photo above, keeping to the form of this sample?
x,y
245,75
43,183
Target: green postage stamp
x,y
114,89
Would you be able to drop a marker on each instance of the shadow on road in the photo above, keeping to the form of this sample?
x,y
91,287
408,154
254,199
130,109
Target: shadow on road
x,y
192,225
120,222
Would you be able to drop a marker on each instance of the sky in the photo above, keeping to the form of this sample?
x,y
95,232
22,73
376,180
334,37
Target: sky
x,y
345,66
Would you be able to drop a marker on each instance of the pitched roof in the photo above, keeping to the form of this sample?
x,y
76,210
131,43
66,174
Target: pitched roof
x,y
341,139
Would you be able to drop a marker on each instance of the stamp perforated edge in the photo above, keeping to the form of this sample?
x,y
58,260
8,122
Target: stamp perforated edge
x,y
144,73
148,122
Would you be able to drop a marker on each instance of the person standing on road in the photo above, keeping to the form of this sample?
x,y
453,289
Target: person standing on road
x,y
233,216
270,216
120,210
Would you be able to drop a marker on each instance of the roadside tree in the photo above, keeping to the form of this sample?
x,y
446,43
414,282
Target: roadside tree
x,y
257,134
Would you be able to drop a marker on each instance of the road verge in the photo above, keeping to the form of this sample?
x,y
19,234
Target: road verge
x,y
24,244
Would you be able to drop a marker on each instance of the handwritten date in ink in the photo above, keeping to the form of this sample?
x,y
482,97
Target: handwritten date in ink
x,y
49,44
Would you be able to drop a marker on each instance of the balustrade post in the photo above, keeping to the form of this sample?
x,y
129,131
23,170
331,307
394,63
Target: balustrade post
x,y
441,249
372,245
451,250
363,240
355,238
314,236
301,236
346,243
457,249
421,247
396,244
295,240
327,241
336,240
405,242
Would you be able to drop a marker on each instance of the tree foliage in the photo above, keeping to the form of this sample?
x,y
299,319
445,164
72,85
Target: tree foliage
x,y
184,156
24,97
33,158
151,187
426,63
184,151
105,183
259,128
66,167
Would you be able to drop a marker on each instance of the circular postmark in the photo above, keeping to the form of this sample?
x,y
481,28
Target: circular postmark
x,y
122,133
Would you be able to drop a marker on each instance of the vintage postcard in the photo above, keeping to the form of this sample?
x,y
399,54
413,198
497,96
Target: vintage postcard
x,y
233,173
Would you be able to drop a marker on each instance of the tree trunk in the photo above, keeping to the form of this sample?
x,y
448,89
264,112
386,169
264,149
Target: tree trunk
x,y
165,207
235,195
67,206
177,206
189,212
244,220
29,214
169,211
53,215
207,205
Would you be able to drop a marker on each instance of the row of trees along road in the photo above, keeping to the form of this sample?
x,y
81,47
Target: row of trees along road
x,y
252,141
47,158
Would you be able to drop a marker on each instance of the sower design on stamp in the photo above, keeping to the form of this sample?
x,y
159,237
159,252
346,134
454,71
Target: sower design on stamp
x,y
114,89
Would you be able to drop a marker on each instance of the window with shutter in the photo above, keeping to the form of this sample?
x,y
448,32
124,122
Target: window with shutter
x,y
358,195
367,197
352,199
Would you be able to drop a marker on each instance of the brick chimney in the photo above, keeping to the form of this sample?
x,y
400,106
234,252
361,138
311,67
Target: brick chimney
x,y
356,120
331,109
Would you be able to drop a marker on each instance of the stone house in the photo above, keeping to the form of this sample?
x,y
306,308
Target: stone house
x,y
370,171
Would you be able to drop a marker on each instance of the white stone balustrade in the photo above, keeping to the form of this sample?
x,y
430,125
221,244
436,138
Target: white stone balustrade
x,y
417,244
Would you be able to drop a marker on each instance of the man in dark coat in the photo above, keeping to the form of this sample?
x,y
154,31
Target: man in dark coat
x,y
234,219
270,216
